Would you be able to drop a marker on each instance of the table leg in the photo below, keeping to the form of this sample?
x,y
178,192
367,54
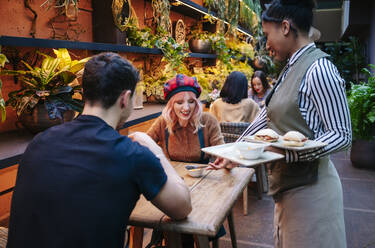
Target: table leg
x,y
231,229
136,237
202,241
215,243
245,200
174,240
258,174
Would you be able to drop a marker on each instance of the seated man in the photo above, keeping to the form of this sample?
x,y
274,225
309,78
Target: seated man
x,y
77,183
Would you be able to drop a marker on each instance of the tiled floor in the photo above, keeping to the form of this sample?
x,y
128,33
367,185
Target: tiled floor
x,y
255,229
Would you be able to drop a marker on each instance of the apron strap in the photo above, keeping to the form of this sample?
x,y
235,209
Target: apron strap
x,y
201,142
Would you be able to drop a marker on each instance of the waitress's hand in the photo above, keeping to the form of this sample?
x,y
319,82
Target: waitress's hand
x,y
221,163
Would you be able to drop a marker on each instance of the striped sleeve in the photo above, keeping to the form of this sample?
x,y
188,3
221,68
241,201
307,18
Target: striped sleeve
x,y
326,111
260,122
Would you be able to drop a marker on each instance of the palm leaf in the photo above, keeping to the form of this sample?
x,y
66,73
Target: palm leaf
x,y
2,109
64,56
78,65
3,60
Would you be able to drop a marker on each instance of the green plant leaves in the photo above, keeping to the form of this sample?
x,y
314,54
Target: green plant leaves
x,y
361,101
3,60
2,109
54,81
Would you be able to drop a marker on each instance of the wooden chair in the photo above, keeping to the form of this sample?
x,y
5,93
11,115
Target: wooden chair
x,y
231,132
3,237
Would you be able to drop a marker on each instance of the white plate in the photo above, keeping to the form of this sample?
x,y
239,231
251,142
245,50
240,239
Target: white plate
x,y
229,152
309,144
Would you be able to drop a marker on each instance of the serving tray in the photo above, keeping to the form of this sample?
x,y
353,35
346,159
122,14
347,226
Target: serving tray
x,y
309,144
229,152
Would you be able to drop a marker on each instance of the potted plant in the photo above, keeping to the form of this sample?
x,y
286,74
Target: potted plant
x,y
48,95
199,41
361,101
262,59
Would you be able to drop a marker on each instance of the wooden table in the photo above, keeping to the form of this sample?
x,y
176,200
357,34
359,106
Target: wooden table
x,y
212,197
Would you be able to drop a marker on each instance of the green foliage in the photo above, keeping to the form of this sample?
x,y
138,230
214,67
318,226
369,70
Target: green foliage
x,y
54,83
361,101
349,57
3,60
263,56
173,52
160,10
218,44
250,12
227,10
197,34
140,37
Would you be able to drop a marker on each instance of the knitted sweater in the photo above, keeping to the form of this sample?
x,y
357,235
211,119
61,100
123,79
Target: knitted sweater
x,y
183,144
244,111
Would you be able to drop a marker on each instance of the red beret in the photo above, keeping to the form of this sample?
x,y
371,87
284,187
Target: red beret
x,y
181,83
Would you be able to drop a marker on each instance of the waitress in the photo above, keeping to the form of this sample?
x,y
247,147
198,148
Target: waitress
x,y
308,97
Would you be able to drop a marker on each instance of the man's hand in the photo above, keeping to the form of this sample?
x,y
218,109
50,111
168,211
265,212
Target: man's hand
x,y
221,163
147,141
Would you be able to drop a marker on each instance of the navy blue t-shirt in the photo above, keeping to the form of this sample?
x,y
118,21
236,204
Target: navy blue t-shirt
x,y
77,184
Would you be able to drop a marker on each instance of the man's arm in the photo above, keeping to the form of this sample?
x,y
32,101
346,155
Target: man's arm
x,y
174,197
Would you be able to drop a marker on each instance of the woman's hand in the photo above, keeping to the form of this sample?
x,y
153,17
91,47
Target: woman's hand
x,y
221,163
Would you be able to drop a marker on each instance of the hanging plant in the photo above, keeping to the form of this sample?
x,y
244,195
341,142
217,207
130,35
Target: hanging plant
x,y
227,10
249,18
70,7
160,11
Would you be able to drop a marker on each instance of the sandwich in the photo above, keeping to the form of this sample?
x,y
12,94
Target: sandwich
x,y
294,138
267,135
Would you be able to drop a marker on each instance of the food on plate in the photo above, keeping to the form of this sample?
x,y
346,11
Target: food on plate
x,y
195,172
294,138
249,150
267,135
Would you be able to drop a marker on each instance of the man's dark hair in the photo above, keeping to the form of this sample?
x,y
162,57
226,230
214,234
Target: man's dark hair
x,y
106,76
235,88
262,76
299,12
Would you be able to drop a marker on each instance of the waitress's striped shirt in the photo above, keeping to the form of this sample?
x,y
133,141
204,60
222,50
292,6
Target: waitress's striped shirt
x,y
323,105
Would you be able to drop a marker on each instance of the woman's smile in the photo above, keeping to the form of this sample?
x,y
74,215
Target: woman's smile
x,y
184,106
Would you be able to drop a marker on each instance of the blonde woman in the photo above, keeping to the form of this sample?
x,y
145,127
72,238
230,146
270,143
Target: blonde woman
x,y
183,129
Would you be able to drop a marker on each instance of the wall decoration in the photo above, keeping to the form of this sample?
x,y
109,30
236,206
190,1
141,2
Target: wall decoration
x,y
180,32
122,13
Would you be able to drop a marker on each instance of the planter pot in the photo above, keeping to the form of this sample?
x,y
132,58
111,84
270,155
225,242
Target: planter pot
x,y
362,154
38,120
200,46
